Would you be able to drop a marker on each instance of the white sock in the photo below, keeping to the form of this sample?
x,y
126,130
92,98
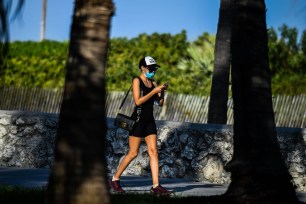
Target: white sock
x,y
115,179
155,185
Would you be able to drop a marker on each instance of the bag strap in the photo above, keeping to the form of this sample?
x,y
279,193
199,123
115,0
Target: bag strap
x,y
127,93
139,107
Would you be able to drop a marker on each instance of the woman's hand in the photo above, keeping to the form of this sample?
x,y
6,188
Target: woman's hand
x,y
159,89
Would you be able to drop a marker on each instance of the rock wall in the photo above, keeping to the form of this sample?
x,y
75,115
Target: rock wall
x,y
194,151
27,139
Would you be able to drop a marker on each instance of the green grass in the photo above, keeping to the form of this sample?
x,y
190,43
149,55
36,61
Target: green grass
x,y
19,195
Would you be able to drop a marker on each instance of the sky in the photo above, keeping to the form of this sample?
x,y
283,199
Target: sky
x,y
133,17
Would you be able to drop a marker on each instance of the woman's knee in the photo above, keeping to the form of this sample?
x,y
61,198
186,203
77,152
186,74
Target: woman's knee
x,y
152,152
132,154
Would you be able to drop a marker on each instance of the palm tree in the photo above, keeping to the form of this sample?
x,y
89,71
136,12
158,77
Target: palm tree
x,y
5,7
199,64
258,172
43,20
78,174
217,110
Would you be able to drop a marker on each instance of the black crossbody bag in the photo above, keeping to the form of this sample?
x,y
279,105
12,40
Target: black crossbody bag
x,y
126,122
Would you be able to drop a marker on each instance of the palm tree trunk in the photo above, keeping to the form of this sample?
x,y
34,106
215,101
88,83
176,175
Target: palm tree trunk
x,y
5,10
43,20
258,172
79,172
217,110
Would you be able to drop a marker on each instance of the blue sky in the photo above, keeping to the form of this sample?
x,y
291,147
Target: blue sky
x,y
133,17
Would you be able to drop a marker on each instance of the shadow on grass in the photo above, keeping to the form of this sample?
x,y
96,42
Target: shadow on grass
x,y
21,195
18,195
151,199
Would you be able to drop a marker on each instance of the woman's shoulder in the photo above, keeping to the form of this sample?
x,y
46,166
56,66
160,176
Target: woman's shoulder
x,y
136,78
138,81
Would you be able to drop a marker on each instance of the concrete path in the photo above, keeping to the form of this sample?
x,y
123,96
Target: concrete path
x,y
135,184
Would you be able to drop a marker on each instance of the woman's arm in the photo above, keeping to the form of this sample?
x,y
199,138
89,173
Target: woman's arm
x,y
161,94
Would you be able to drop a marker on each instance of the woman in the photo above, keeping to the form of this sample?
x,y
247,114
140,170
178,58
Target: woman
x,y
145,94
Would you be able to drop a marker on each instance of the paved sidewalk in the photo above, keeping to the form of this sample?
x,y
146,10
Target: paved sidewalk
x,y
136,184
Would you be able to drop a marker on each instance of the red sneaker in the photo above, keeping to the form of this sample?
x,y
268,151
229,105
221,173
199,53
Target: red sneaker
x,y
159,190
115,186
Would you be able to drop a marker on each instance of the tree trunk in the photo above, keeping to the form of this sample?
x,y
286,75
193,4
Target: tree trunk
x,y
79,170
43,20
258,172
5,11
217,110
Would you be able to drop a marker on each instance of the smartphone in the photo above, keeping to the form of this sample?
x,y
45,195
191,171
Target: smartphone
x,y
165,85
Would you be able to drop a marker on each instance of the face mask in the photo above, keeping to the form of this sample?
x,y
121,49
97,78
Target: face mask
x,y
149,75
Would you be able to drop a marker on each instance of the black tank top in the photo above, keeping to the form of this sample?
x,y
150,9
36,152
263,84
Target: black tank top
x,y
146,107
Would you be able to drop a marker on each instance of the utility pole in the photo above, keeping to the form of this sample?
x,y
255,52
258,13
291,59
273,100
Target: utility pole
x,y
43,20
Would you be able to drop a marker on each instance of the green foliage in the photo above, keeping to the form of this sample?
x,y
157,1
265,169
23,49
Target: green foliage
x,y
33,64
124,56
197,68
187,66
303,42
287,61
294,84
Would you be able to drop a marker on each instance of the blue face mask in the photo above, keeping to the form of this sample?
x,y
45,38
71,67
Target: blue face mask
x,y
149,75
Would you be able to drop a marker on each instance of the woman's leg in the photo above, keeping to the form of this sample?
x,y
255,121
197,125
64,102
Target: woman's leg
x,y
134,143
151,141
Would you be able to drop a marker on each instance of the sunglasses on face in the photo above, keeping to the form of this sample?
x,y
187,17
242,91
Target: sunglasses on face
x,y
152,69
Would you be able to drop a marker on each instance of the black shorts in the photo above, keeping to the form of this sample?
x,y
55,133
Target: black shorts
x,y
144,128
